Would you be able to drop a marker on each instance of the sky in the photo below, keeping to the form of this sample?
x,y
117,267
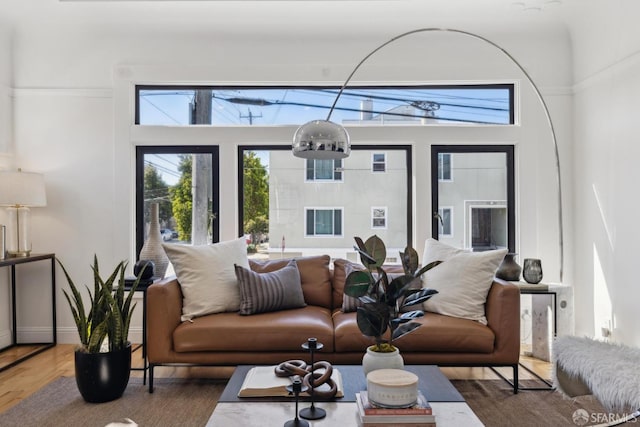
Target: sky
x,y
295,106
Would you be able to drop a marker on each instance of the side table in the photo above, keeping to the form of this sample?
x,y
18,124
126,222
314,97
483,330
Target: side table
x,y
12,263
142,287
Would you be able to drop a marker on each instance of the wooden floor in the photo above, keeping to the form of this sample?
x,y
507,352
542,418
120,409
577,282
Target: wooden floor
x,y
22,380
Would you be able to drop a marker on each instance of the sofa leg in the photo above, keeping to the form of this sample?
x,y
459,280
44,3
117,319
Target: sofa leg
x,y
515,379
150,378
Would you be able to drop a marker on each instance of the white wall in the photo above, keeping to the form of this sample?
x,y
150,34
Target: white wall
x,y
606,151
73,116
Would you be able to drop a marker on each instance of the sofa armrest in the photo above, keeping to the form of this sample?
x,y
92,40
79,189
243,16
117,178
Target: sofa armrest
x,y
164,308
503,317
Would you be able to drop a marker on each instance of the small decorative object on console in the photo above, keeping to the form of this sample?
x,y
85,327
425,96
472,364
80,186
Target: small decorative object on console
x,y
532,272
144,268
509,269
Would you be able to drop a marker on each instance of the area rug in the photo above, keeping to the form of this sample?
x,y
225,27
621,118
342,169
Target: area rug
x,y
174,402
190,402
495,404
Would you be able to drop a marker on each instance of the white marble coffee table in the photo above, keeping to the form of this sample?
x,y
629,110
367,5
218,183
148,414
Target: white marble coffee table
x,y
343,414
448,405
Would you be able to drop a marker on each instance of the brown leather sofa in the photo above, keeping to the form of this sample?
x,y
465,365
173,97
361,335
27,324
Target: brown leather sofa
x,y
229,339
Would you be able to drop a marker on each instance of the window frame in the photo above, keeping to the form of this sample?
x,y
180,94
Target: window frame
x,y
450,220
406,148
315,209
373,217
443,179
374,162
336,172
509,86
142,150
508,150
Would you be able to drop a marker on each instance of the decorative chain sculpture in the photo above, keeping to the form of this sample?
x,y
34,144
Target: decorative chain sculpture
x,y
306,372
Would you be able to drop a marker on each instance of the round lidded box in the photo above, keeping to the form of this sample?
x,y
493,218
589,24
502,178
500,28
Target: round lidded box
x,y
392,388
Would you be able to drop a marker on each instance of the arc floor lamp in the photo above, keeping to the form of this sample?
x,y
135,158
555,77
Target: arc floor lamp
x,y
324,139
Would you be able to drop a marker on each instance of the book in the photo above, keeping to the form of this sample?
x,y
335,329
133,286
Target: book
x,y
261,381
392,419
391,424
421,407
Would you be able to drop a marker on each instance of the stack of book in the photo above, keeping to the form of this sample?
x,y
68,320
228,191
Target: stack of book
x,y
418,415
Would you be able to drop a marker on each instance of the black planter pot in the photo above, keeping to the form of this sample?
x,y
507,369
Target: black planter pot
x,y
102,377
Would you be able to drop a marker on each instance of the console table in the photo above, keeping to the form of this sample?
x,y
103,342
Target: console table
x,y
12,263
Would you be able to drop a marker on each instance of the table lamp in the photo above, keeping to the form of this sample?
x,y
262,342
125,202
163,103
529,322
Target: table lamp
x,y
18,191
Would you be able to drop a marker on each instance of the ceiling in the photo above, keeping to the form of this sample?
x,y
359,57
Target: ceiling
x,y
304,18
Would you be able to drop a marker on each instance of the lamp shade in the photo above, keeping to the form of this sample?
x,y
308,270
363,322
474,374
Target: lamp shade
x,y
22,189
321,139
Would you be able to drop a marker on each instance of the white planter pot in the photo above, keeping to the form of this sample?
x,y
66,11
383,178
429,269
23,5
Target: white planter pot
x,y
373,360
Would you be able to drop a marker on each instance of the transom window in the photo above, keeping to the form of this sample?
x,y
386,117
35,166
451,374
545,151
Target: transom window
x,y
293,105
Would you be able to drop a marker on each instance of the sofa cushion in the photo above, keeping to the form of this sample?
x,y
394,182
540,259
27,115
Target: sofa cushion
x,y
207,276
438,333
273,291
463,279
274,331
315,276
341,269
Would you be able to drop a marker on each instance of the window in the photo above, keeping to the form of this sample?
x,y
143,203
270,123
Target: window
x,y
378,163
444,167
292,105
324,222
378,217
324,170
183,180
483,190
280,209
445,221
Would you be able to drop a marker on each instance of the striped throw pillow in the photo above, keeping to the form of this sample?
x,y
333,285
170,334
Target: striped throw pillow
x,y
273,291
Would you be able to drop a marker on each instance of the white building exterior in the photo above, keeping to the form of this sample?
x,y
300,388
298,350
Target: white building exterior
x,y
319,206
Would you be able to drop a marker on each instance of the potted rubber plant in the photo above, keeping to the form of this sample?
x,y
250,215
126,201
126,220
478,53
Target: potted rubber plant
x,y
103,358
386,300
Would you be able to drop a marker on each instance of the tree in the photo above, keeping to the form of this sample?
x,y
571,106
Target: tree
x,y
182,199
256,195
256,227
156,190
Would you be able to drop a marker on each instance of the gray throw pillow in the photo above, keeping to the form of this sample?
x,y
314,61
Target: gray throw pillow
x,y
273,291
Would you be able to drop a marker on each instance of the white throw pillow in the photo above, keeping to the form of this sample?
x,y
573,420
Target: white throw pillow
x,y
207,276
463,279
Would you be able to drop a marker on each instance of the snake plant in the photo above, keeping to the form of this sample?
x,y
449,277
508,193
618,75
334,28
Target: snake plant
x,y
110,311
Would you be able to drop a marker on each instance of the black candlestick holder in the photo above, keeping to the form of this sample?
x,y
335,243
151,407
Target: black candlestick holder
x,y
312,413
296,388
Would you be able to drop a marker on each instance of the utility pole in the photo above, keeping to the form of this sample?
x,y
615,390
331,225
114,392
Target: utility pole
x,y
249,116
201,171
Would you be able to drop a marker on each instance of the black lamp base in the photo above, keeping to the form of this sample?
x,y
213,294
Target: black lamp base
x,y
313,413
296,423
